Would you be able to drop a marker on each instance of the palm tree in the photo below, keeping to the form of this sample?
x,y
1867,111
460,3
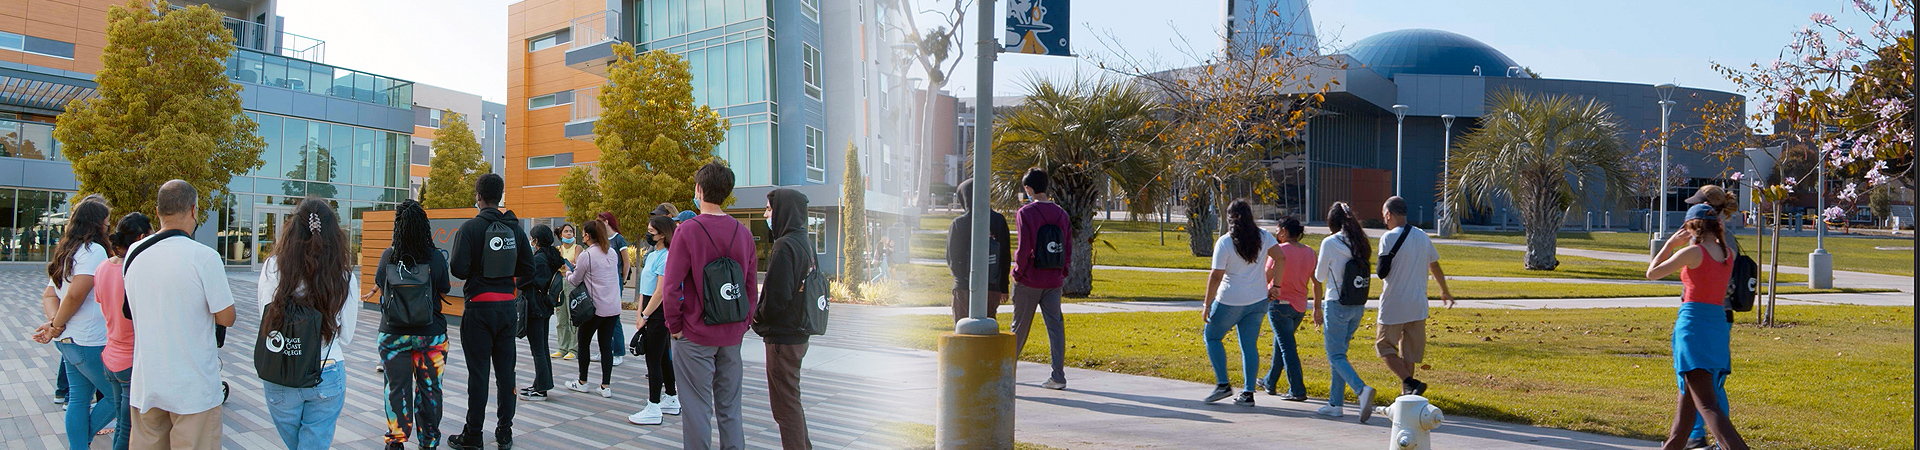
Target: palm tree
x,y
1546,154
1083,135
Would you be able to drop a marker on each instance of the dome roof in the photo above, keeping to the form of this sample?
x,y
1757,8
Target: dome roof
x,y
1425,51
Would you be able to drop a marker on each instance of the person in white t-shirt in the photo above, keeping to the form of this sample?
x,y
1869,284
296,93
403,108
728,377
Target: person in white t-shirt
x,y
310,268
1236,298
1403,302
177,290
75,324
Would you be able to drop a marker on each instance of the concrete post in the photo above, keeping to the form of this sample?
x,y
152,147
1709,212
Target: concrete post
x,y
976,392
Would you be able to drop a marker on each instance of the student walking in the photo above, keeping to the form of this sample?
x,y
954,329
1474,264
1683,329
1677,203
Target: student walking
x,y
411,282
1701,351
542,296
1343,268
178,294
959,256
110,290
781,317
708,312
76,325
596,270
1289,269
566,334
1236,298
1724,205
1406,256
309,278
491,253
622,251
1040,268
662,398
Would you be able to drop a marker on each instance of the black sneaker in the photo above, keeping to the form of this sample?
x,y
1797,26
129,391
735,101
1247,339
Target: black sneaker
x,y
1220,392
1419,387
503,437
464,441
1697,443
530,395
1294,398
1246,399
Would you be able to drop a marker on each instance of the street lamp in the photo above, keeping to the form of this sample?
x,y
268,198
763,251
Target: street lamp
x,y
1446,176
1666,106
1399,120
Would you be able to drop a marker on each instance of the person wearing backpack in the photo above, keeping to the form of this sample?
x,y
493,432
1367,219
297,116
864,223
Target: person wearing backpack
x,y
1724,205
307,311
623,251
566,334
959,256
490,252
662,397
1290,267
710,290
1701,349
1040,269
1343,269
541,297
410,282
76,325
1406,257
781,318
110,290
596,271
1236,300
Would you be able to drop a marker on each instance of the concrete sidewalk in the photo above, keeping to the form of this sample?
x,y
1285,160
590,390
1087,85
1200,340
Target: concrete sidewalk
x,y
1869,299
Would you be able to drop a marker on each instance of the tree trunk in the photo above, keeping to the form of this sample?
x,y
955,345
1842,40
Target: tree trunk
x,y
1078,195
1540,216
1200,218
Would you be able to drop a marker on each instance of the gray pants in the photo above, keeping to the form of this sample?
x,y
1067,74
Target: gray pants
x,y
710,376
1048,300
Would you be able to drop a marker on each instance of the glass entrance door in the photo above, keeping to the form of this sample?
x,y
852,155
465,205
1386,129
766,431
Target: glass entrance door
x,y
267,221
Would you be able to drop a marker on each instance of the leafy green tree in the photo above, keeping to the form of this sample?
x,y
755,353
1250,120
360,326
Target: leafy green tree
x,y
652,137
1083,135
853,222
165,109
579,190
456,165
1542,152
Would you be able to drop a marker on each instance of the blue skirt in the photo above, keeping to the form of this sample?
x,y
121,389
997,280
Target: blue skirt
x,y
1700,336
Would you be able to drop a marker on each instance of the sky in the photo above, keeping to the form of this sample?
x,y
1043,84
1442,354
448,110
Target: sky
x,y
454,44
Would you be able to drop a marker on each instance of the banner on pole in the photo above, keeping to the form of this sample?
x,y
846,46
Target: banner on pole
x,y
1038,27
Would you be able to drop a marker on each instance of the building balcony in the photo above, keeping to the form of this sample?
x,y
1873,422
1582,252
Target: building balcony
x,y
585,112
594,36
254,36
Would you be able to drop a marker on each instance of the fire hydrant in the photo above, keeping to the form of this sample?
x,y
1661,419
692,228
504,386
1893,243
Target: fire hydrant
x,y
1412,418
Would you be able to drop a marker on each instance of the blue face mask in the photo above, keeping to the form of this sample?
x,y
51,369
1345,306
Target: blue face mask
x,y
566,241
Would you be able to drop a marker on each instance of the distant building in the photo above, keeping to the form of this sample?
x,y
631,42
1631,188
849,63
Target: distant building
x,y
431,104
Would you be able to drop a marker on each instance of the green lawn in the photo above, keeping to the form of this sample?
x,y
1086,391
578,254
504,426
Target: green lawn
x,y
1849,253
1834,377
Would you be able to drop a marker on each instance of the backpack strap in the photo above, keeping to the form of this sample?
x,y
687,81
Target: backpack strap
x,y
127,263
1404,231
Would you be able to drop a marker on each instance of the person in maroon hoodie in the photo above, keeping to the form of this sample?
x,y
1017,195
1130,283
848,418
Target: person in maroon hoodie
x,y
706,357
1039,269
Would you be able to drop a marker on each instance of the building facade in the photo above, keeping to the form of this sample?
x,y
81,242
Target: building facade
x,y
431,106
331,132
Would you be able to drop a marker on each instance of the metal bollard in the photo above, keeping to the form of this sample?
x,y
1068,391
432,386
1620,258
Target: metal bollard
x,y
1413,419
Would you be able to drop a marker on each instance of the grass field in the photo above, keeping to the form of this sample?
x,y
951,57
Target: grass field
x,y
1834,377
1849,253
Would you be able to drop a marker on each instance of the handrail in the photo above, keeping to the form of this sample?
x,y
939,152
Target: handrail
x,y
586,105
254,36
592,29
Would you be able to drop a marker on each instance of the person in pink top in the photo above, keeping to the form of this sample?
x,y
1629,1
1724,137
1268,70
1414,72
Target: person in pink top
x,y
706,344
598,268
1040,269
109,289
1290,268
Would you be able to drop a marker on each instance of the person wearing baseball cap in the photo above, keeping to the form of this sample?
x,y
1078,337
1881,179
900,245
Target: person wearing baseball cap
x,y
1702,355
1723,205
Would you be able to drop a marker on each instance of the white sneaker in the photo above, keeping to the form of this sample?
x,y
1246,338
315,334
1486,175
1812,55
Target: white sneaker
x,y
1054,385
576,386
670,405
617,360
606,392
1329,411
647,416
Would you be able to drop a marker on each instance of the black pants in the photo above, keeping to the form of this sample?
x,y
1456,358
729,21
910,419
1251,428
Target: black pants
x,y
602,326
659,363
486,339
542,362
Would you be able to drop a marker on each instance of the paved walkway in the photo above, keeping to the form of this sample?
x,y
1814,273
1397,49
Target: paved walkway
x,y
851,382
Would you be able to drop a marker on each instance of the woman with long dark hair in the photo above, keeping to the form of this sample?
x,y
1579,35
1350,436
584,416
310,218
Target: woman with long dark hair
x,y
597,269
414,356
109,289
1236,298
310,269
1701,349
1348,242
547,263
662,398
565,332
75,321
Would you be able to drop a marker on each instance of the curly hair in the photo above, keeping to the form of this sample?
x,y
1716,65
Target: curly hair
x,y
412,234
312,259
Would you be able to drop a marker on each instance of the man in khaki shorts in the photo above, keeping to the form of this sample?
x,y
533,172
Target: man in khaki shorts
x,y
1403,302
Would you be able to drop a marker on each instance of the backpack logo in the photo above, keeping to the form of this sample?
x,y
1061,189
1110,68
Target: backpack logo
x,y
1753,284
823,302
275,341
496,243
1360,282
730,291
1055,247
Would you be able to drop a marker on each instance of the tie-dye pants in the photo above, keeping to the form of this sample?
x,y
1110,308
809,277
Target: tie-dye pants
x,y
414,365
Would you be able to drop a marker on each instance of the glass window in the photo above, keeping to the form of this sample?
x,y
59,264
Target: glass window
x,y
810,70
656,20
9,237
811,9
270,158
363,87
757,8
816,155
736,10
697,15
12,41
760,155
276,74
433,118
35,236
697,66
320,80
355,166
343,84
297,72
321,161
364,140
540,162
817,229
756,70
736,73
293,148
382,90
716,13
395,154
677,17
717,76
547,41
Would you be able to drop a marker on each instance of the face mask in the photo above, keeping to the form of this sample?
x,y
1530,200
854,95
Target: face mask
x,y
568,241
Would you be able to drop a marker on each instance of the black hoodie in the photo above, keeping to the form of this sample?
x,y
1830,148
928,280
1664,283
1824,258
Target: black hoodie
x,y
465,261
778,319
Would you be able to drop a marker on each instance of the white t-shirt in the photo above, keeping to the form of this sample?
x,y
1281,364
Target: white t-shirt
x,y
1404,299
349,309
1332,267
1245,282
174,289
87,327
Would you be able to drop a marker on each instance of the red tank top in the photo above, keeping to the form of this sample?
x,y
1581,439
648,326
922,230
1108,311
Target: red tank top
x,y
1707,283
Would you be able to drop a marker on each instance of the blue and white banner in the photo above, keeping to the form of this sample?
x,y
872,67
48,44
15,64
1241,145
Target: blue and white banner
x,y
1038,27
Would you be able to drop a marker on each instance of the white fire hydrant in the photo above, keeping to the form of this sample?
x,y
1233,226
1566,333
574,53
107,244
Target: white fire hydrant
x,y
1412,418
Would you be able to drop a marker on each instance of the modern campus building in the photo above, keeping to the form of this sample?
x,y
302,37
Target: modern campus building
x,y
433,104
798,82
313,115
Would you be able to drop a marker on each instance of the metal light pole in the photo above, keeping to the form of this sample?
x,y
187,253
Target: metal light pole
x,y
1446,177
1399,154
1820,263
1666,107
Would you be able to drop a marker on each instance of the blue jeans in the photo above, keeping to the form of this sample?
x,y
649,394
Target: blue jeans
x,y
1247,320
1342,321
1286,354
1700,422
305,416
86,374
123,422
620,328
